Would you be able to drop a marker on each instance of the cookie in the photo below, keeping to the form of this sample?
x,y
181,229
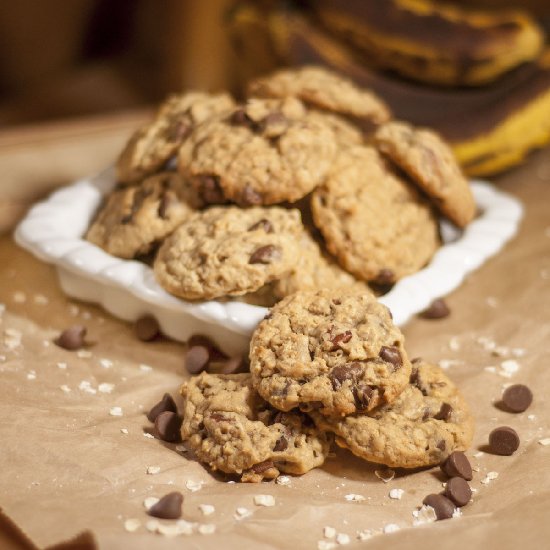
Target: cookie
x,y
228,251
152,146
135,219
423,426
434,43
264,152
331,351
373,221
232,429
430,163
324,89
314,270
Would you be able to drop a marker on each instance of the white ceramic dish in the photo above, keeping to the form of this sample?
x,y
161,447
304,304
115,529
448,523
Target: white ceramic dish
x,y
53,231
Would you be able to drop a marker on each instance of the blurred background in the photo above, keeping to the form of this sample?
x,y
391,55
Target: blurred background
x,y
68,58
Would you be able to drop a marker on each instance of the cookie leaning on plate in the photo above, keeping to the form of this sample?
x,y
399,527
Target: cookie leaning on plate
x,y
329,350
424,425
263,152
231,428
228,251
135,219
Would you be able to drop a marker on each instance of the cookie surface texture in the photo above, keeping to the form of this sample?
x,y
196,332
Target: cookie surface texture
x,y
264,152
430,163
134,219
424,425
228,251
334,352
232,429
373,221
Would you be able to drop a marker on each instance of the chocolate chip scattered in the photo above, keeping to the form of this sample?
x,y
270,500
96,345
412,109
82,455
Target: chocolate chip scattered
x,y
250,197
264,224
342,338
72,338
458,490
438,309
281,444
235,365
167,426
443,507
350,371
444,413
200,340
457,465
265,255
391,355
517,398
167,403
146,328
503,441
263,466
196,359
168,507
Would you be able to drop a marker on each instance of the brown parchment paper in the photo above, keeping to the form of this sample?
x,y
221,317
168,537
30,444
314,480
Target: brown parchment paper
x,y
66,467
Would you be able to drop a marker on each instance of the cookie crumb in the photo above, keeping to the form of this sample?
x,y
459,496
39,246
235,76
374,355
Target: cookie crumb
x,y
364,535
509,368
148,435
491,476
396,494
207,509
106,363
124,431
545,441
283,480
31,375
62,366
454,344
145,368
264,500
132,524
391,528
329,532
207,529
41,300
65,388
343,538
86,386
150,501
325,545
425,514
19,297
241,512
194,486
105,387
354,498
385,475
446,363
115,411
152,470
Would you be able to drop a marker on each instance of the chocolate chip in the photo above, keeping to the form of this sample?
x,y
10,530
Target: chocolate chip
x,y
503,441
72,338
342,338
281,444
441,445
385,277
178,130
168,507
458,490
167,426
444,413
362,396
349,371
137,201
263,466
262,224
240,118
443,507
438,309
196,359
517,398
146,328
273,125
209,189
391,355
165,204
167,403
235,365
250,197
265,255
201,340
218,417
457,465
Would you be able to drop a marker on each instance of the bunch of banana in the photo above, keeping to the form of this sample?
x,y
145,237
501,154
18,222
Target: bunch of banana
x,y
490,127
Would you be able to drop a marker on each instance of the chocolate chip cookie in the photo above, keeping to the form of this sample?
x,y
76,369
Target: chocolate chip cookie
x,y
135,219
324,89
154,144
228,251
264,152
232,429
331,351
429,161
374,222
423,426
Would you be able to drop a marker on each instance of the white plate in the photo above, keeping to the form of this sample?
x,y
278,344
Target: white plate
x,y
53,231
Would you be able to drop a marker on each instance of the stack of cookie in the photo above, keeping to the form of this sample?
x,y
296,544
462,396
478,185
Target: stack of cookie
x,y
324,364
307,184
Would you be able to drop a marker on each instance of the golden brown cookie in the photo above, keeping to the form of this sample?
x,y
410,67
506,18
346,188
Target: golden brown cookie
x,y
228,251
330,351
373,221
423,426
430,163
264,152
135,219
232,429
